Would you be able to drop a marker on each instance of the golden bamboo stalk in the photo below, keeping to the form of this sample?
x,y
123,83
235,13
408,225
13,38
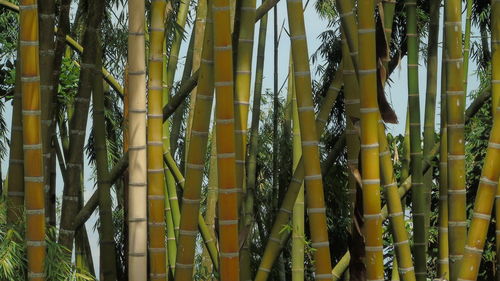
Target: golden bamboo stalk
x,y
137,213
155,175
195,161
32,140
226,166
455,103
370,165
309,136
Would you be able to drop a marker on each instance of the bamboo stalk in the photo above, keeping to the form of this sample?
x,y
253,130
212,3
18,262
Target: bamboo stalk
x,y
298,237
309,137
430,104
468,20
46,21
348,20
226,166
456,147
485,197
246,27
77,131
369,143
194,162
32,139
418,195
495,86
155,175
443,253
277,238
137,213
106,232
15,175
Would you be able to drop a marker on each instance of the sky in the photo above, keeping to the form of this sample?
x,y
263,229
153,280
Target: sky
x,y
396,93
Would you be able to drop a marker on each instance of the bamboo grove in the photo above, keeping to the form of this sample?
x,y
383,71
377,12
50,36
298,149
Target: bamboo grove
x,y
151,140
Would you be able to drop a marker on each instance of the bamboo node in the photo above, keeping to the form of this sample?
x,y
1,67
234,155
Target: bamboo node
x,y
140,33
443,261
310,143
369,146
158,275
156,197
494,145
343,15
28,43
298,37
276,240
66,232
457,224
155,143
454,93
32,112
224,121
316,210
368,110
190,201
30,79
160,29
32,146
482,216
323,276
188,232
351,101
223,48
36,275
32,243
137,220
302,73
401,243
366,30
263,268
225,155
240,132
324,244
384,153
205,97
374,248
77,132
313,177
136,147
348,72
455,157
474,250
16,161
305,108
285,210
81,99
372,216
228,222
131,254
404,270
71,198
333,88
392,215
456,191
229,255
15,194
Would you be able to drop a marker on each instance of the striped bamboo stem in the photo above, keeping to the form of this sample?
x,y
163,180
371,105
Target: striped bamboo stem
x,y
277,238
106,231
395,209
155,173
298,236
418,195
226,166
370,165
309,137
32,140
468,21
348,19
485,198
455,128
495,84
137,213
430,104
195,161
15,175
443,253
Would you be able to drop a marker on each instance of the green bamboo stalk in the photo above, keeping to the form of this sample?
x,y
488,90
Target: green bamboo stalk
x,y
456,142
430,104
171,251
418,196
298,237
106,232
468,20
443,253
77,127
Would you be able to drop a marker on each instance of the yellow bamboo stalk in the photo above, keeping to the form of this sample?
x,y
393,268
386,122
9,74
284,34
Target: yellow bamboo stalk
x,y
199,32
395,209
195,161
226,166
370,165
32,140
155,177
483,204
309,137
456,143
488,183
348,20
137,213
277,237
